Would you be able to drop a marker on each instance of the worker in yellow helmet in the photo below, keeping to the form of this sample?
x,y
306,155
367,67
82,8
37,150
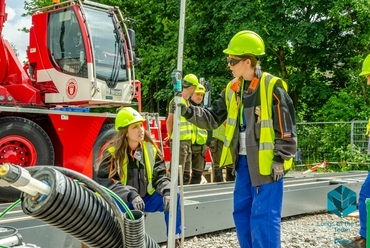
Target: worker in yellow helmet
x,y
360,241
190,83
133,168
199,140
260,139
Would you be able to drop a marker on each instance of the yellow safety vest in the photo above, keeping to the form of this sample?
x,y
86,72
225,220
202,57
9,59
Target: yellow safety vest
x,y
267,133
199,136
219,133
185,126
231,120
150,152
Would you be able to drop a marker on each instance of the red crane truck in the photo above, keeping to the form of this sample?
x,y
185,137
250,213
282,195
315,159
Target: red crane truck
x,y
80,56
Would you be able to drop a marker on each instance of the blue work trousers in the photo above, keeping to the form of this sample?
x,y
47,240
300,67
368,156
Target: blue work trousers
x,y
257,210
154,203
364,193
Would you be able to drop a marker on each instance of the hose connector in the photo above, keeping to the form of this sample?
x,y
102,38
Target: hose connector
x,y
20,178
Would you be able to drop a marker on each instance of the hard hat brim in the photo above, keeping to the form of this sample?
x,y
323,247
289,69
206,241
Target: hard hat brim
x,y
364,73
130,123
229,51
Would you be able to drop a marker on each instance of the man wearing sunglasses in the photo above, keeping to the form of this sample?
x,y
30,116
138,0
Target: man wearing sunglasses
x,y
360,241
260,139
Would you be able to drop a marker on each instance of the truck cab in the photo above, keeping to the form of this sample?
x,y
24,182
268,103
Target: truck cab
x,y
80,53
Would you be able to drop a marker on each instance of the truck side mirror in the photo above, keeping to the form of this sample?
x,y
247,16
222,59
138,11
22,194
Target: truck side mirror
x,y
131,36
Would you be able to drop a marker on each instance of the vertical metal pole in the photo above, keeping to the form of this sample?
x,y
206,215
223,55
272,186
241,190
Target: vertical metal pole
x,y
177,80
180,51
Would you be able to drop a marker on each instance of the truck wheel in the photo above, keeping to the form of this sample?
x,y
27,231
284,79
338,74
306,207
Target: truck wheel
x,y
106,133
24,143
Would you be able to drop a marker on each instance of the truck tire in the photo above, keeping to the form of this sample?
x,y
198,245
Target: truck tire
x,y
24,143
106,133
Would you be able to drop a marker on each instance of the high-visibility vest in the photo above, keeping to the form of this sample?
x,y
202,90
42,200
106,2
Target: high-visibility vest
x,y
230,125
185,126
219,133
267,133
199,136
150,152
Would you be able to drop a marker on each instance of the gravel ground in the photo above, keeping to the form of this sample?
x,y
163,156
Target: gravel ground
x,y
322,229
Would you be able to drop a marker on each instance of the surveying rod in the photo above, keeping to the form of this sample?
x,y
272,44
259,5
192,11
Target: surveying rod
x,y
177,80
175,150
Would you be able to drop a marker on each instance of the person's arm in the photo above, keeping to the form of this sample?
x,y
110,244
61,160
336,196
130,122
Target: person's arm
x,y
161,178
208,118
169,121
125,192
284,125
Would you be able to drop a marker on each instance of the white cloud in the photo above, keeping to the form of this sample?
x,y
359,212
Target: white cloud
x,y
11,31
11,13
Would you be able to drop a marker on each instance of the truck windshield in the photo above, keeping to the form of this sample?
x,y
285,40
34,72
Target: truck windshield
x,y
106,44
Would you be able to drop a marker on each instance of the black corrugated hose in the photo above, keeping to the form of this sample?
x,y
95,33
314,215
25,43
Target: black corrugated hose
x,y
78,210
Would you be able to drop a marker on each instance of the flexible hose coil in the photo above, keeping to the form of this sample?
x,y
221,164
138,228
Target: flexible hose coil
x,y
79,211
134,230
75,210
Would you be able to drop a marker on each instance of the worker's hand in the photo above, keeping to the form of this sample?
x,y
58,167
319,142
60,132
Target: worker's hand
x,y
277,171
138,203
166,203
183,107
173,107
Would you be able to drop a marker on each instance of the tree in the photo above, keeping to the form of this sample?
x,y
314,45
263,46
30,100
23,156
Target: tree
x,y
306,41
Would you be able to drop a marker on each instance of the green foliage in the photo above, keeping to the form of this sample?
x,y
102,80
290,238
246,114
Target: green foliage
x,y
304,40
352,158
317,47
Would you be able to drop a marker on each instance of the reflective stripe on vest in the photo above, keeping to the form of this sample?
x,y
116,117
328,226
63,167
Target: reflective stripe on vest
x,y
219,133
199,136
185,126
267,132
150,152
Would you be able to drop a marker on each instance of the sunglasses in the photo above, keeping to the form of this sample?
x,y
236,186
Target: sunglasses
x,y
232,61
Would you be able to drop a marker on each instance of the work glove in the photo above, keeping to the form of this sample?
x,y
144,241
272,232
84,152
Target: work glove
x,y
166,203
277,171
183,107
138,203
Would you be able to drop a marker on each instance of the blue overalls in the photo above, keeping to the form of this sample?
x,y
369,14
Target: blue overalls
x,y
364,193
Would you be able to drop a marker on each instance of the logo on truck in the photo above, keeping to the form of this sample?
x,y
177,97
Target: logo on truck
x,y
71,88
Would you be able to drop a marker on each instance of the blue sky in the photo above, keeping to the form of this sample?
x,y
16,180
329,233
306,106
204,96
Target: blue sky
x,y
15,21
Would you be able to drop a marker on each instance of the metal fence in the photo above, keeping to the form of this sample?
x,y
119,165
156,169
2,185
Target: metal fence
x,y
335,142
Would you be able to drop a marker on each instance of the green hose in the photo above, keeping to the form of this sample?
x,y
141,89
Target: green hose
x,y
10,208
114,195
121,202
118,199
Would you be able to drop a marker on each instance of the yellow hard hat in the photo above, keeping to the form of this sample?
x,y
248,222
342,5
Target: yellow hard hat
x,y
127,116
191,79
200,89
366,66
246,42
